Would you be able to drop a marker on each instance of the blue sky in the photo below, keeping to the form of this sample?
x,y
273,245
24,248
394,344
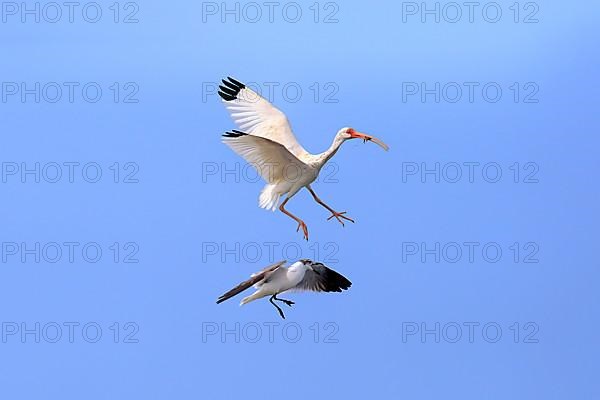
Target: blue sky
x,y
124,217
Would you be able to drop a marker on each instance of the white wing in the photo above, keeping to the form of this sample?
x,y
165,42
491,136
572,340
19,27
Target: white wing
x,y
256,116
273,162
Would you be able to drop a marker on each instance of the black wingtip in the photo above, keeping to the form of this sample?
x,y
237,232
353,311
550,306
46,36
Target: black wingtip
x,y
236,82
230,89
234,133
226,97
336,281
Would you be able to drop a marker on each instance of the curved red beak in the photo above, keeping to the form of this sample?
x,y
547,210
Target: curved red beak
x,y
368,138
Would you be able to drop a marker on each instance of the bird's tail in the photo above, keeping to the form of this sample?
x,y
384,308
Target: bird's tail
x,y
254,296
269,198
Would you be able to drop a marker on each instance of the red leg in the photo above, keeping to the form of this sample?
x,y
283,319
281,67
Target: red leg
x,y
334,213
301,223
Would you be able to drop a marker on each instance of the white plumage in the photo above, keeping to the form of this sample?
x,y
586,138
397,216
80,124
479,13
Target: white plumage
x,y
301,275
266,141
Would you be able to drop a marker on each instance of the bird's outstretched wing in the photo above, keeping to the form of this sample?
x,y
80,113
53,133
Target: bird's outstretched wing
x,y
323,279
254,279
256,116
272,160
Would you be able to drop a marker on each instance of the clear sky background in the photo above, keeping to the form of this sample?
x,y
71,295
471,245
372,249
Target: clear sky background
x,y
174,212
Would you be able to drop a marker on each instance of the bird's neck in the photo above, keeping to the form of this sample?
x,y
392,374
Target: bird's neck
x,y
322,158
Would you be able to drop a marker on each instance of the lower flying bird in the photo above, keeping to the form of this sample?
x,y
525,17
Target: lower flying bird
x,y
267,142
301,275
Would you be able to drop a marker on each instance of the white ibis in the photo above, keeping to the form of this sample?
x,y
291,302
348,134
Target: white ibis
x,y
266,141
301,275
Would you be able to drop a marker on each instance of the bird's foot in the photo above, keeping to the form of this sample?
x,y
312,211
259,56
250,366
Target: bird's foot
x,y
289,303
302,225
339,215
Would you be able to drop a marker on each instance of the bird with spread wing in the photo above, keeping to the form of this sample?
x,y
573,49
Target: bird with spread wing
x,y
276,279
266,141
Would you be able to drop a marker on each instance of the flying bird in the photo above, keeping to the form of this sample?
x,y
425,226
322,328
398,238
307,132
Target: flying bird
x,y
266,141
301,275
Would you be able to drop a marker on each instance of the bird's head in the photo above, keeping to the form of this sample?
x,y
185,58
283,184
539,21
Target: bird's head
x,y
308,264
351,133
